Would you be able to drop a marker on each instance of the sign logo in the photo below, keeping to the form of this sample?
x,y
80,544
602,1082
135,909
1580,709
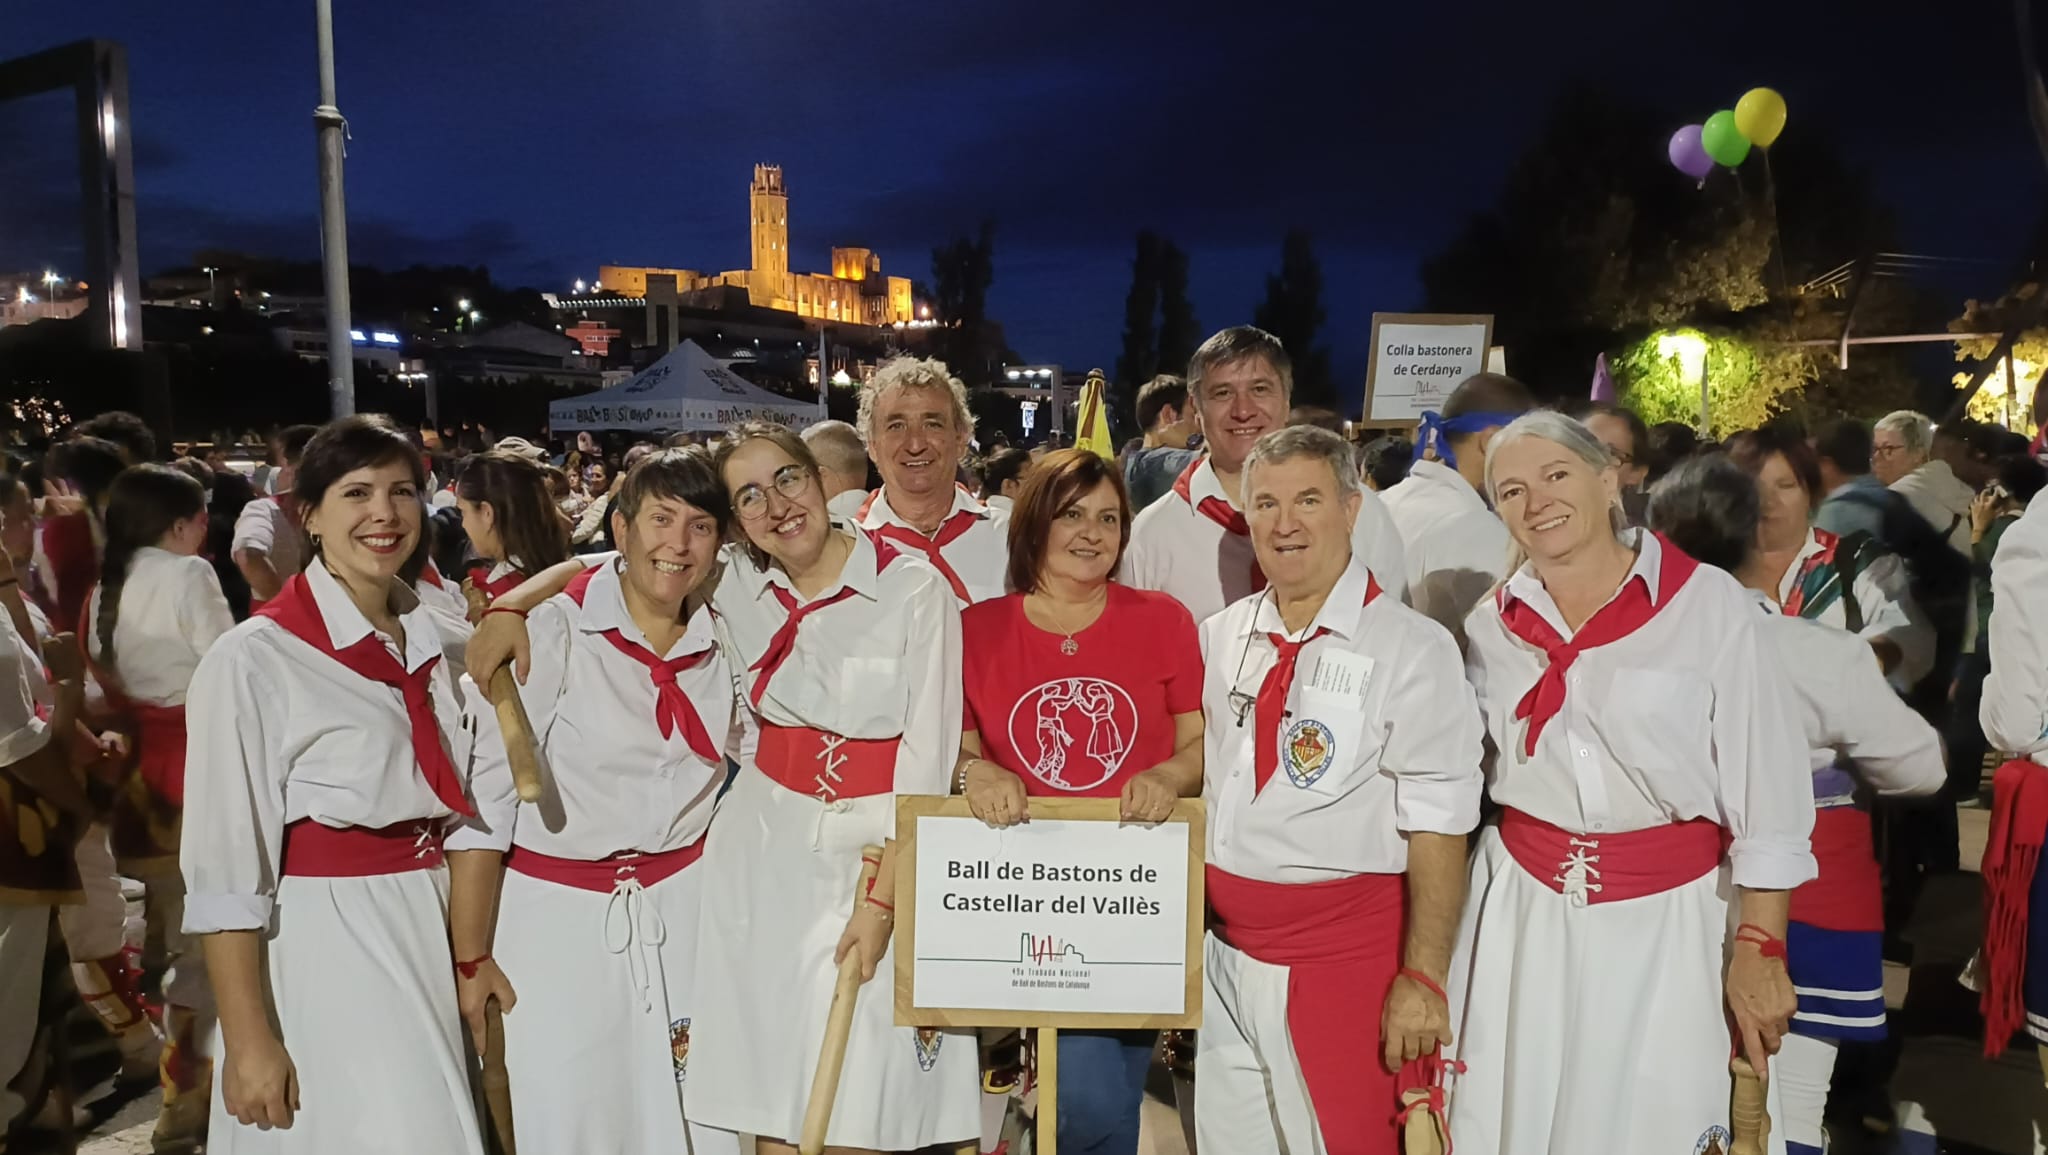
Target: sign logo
x,y
1309,750
1074,732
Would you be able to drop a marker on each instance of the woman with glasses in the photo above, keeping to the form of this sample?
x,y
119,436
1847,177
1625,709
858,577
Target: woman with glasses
x,y
848,659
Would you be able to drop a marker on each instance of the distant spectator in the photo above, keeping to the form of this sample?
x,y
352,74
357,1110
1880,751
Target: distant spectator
x,y
1628,439
1670,443
842,465
1169,422
1002,477
1902,456
1852,498
521,447
1384,462
81,472
270,542
124,429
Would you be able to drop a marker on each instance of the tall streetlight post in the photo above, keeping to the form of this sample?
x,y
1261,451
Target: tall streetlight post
x,y
328,121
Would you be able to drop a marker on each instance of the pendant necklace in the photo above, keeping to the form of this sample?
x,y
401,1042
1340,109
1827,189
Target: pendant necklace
x,y
1068,646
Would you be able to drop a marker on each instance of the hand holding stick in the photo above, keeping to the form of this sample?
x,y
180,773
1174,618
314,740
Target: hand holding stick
x,y
838,1025
1747,1118
518,731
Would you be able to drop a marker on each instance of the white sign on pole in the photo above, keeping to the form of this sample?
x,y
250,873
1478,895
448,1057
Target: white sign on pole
x,y
1052,916
1417,359
1028,410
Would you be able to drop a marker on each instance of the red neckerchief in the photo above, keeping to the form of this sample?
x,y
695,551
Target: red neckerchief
x,y
1219,511
295,609
673,709
495,588
432,577
1825,557
783,642
1629,610
1271,704
928,547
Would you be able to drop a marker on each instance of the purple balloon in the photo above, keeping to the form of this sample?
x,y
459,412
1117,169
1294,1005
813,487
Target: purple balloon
x,y
1688,155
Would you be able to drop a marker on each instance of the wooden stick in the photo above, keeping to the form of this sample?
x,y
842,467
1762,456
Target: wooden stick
x,y
1747,1118
1420,1135
518,731
838,1025
1048,1055
497,1083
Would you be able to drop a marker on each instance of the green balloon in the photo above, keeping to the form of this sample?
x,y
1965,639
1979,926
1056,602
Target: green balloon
x,y
1723,141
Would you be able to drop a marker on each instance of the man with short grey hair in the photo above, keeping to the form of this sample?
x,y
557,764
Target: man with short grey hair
x,y
842,465
1193,543
1342,746
915,421
1901,455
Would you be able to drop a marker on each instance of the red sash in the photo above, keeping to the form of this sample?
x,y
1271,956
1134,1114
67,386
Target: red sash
x,y
1596,868
1848,894
1341,944
312,850
2019,822
605,874
930,548
1630,609
1219,511
295,610
159,730
826,765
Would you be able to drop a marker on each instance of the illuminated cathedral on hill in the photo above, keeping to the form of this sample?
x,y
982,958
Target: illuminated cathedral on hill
x,y
855,292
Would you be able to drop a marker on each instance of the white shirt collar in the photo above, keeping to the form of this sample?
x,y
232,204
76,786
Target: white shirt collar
x,y
346,624
1340,614
1205,484
1524,586
861,573
604,608
880,514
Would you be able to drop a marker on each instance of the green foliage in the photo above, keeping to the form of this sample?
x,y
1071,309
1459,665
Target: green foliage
x,y
1293,312
2029,358
1747,381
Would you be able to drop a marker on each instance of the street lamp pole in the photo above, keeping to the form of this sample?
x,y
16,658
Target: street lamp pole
x,y
327,119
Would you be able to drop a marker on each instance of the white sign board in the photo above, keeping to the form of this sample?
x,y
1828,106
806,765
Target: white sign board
x,y
1417,359
1028,410
1051,916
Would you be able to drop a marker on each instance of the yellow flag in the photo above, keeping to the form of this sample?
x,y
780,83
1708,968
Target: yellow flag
x,y
1091,423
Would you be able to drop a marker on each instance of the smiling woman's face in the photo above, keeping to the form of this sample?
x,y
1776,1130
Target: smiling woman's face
x,y
1552,500
368,522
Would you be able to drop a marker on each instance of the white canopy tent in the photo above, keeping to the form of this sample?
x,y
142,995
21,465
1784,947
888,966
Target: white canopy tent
x,y
687,391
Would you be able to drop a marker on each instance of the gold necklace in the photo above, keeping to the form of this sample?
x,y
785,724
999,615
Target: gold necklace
x,y
1069,646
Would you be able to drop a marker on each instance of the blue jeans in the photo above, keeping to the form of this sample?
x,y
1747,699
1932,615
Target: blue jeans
x,y
1102,1087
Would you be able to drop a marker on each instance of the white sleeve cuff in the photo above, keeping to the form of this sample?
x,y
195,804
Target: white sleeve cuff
x,y
24,741
487,831
1437,806
209,913
1771,864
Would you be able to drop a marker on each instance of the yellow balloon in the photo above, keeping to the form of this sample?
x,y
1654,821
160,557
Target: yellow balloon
x,y
1760,115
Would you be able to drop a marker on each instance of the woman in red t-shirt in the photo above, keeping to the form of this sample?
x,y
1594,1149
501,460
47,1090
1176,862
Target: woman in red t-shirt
x,y
1077,686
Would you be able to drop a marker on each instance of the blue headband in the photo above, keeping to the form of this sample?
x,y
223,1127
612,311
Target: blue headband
x,y
1434,434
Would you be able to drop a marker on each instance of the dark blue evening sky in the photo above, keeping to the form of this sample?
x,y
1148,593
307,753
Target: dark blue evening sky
x,y
543,139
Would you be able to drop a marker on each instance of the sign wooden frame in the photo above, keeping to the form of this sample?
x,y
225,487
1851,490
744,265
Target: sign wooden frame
x,y
1372,363
910,808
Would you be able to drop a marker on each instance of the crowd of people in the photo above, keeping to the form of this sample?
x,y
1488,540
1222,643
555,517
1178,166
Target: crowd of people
x,y
1547,760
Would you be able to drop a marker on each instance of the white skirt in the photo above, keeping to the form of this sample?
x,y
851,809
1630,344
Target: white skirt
x,y
779,871
364,992
597,1044
1596,1028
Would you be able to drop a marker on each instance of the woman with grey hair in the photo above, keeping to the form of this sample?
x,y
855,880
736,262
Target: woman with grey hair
x,y
1639,729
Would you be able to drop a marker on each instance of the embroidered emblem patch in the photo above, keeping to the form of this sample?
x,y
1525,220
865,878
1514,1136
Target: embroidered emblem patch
x,y
1715,1142
1309,750
679,1046
928,1043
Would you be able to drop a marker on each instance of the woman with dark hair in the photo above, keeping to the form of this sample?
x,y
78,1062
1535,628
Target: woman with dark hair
x,y
511,524
81,471
327,758
1079,686
157,611
850,649
1860,737
596,924
1850,582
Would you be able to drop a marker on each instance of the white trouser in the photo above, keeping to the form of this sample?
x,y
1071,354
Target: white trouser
x,y
24,934
1802,1071
1250,1095
96,928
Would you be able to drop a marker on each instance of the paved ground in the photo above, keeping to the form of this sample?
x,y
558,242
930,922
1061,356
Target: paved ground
x,y
1949,1100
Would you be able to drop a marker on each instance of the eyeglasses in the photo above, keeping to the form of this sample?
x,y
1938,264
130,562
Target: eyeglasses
x,y
751,502
1886,450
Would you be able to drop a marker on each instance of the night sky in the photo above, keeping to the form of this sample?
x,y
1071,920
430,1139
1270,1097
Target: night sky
x,y
543,139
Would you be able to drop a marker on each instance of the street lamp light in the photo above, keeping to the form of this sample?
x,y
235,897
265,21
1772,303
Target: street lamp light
x,y
463,304
209,271
51,280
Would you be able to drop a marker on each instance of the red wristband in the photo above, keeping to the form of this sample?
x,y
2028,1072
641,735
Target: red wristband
x,y
468,969
489,610
876,902
1766,943
1427,983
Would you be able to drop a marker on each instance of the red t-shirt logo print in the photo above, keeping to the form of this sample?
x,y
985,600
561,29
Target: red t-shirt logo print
x,y
1075,731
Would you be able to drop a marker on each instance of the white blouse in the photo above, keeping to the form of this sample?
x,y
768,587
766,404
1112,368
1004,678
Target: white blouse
x,y
25,695
613,783
172,611
1684,718
1392,739
883,663
279,731
2015,708
1456,548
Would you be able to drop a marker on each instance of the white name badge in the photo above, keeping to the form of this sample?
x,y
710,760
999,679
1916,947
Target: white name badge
x,y
1341,673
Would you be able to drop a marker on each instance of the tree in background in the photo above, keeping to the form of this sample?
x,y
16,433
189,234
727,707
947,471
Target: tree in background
x,y
1140,357
2005,396
1180,331
1293,312
962,271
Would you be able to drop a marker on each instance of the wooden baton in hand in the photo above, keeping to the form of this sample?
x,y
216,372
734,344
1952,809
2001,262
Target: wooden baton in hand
x,y
497,1083
518,731
1748,1119
838,1025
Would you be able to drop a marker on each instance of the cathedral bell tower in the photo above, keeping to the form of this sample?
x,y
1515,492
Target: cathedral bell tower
x,y
768,284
